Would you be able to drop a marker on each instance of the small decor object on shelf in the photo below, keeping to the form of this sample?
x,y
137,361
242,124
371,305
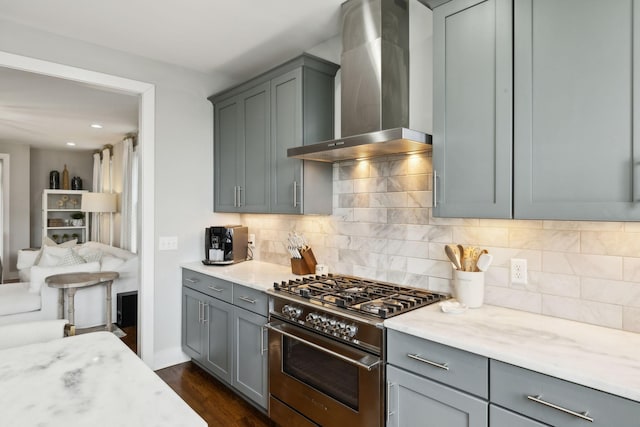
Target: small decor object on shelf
x,y
77,219
54,180
76,183
64,200
56,238
65,179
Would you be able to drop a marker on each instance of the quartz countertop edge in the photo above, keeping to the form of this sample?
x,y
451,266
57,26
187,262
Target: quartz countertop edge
x,y
253,274
601,358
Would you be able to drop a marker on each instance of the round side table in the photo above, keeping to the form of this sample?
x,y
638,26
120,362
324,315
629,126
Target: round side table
x,y
71,282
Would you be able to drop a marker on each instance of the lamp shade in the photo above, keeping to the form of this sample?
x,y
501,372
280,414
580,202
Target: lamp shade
x,y
98,202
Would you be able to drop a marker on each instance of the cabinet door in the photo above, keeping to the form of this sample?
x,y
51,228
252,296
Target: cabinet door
x,y
192,316
472,127
226,160
250,371
417,401
286,132
576,82
499,417
218,322
254,149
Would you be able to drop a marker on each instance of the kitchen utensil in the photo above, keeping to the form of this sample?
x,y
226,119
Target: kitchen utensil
x,y
461,252
453,255
484,261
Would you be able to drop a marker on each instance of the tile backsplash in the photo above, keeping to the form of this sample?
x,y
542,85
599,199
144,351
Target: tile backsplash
x,y
382,228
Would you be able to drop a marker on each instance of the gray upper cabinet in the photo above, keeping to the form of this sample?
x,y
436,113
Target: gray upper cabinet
x,y
576,80
256,122
472,131
242,151
575,84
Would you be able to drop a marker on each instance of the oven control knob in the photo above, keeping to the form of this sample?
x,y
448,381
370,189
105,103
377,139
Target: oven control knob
x,y
312,318
351,331
295,313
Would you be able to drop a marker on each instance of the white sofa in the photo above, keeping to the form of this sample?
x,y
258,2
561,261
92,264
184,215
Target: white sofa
x,y
32,299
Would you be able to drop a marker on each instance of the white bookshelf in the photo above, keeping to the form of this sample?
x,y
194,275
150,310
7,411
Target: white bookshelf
x,y
57,207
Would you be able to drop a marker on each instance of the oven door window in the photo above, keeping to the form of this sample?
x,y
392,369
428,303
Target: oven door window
x,y
329,375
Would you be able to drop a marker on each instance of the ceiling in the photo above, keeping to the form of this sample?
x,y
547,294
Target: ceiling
x,y
237,39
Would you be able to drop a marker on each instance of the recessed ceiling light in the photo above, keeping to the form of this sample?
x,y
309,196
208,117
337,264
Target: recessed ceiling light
x,y
71,143
96,126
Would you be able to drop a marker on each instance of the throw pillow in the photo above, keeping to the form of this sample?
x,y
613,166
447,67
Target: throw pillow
x,y
54,256
48,242
89,254
111,263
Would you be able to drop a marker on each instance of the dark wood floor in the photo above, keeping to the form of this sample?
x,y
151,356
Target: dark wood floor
x,y
212,400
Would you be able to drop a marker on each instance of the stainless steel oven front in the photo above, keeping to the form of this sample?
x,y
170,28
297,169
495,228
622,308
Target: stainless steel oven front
x,y
315,380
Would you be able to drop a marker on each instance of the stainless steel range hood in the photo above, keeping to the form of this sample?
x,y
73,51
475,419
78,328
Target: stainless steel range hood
x,y
375,86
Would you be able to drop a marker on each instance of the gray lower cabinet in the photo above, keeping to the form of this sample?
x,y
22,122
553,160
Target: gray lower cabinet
x,y
499,417
472,117
562,78
254,125
557,402
416,401
223,331
430,384
250,371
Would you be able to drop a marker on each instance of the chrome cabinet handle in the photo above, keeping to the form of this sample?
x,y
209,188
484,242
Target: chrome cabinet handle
x,y
249,300
186,279
235,196
389,412
263,329
205,309
428,362
239,196
435,189
295,194
213,288
199,311
584,415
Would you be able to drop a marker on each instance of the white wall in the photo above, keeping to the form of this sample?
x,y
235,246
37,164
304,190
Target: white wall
x,y
183,157
18,203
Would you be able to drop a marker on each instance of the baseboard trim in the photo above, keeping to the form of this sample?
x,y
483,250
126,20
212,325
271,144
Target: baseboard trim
x,y
169,357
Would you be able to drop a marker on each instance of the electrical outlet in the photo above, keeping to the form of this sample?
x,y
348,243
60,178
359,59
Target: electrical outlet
x,y
252,240
168,243
519,271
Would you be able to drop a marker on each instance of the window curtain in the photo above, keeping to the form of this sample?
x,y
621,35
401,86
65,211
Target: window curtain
x,y
97,185
127,200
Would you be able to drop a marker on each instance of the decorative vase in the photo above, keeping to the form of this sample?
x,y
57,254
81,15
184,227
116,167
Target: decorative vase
x,y
65,179
76,183
54,180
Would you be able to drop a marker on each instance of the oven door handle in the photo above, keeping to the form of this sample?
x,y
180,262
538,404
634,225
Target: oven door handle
x,y
368,367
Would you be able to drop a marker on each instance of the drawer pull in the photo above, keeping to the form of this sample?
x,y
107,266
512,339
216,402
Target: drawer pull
x,y
246,299
186,279
213,288
584,415
428,362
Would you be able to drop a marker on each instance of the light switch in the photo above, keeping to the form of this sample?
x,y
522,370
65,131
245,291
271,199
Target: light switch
x,y
168,243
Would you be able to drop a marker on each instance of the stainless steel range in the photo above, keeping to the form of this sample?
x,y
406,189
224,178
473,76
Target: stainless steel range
x,y
326,348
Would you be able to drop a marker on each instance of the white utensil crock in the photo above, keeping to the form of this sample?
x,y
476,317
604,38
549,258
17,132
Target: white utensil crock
x,y
468,287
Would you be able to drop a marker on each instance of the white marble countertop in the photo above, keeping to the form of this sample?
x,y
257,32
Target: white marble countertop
x,y
87,380
254,274
602,358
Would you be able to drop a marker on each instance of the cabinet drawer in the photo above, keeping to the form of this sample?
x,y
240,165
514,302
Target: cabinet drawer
x,y
457,368
212,286
531,394
250,299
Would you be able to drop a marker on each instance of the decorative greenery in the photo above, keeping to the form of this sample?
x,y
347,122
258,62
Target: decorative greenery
x,y
56,238
77,215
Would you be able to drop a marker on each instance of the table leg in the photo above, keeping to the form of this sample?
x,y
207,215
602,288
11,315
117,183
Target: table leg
x,y
61,303
109,326
71,293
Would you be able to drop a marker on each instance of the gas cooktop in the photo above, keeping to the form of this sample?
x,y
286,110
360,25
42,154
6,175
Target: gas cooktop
x,y
361,296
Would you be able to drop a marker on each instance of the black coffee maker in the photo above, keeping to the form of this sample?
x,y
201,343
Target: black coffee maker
x,y
225,244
